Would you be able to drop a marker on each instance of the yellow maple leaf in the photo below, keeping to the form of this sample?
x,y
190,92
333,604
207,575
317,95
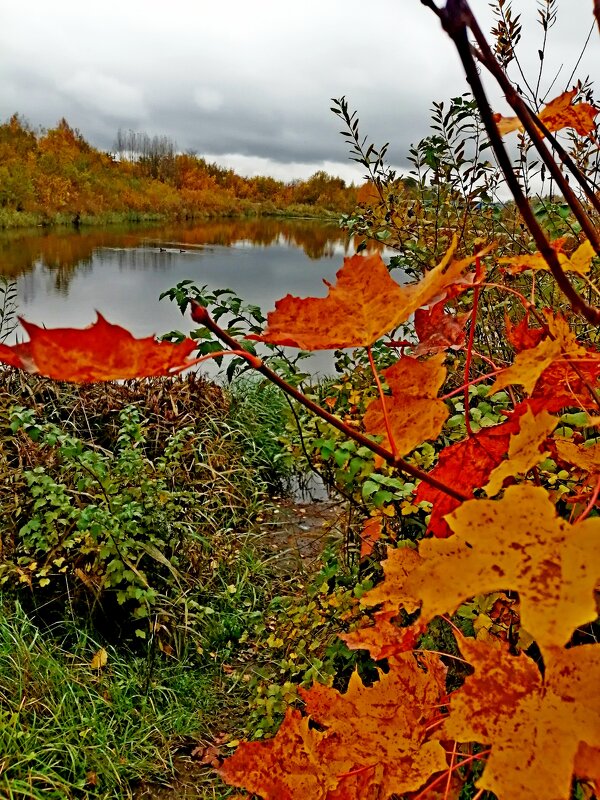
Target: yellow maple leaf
x,y
529,364
586,458
100,659
534,724
579,262
517,543
523,449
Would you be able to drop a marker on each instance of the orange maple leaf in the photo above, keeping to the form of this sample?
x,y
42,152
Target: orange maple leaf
x,y
521,336
517,543
557,114
375,740
535,725
568,383
286,767
371,534
585,458
383,638
101,352
363,305
414,412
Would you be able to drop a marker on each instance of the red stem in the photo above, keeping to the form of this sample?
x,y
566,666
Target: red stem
x,y
443,776
386,418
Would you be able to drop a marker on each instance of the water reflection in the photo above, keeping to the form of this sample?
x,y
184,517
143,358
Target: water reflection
x,y
62,251
64,276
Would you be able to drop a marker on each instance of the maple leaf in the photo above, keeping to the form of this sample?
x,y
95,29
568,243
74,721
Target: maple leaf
x,y
373,736
383,639
101,352
517,543
371,534
530,364
438,331
363,305
521,336
586,458
386,725
557,114
414,412
523,448
465,466
568,383
286,767
587,765
535,725
579,262
13,355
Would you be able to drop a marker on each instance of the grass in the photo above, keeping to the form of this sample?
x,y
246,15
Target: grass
x,y
68,730
261,414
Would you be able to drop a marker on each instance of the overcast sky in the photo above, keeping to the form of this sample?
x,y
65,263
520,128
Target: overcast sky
x,y
249,84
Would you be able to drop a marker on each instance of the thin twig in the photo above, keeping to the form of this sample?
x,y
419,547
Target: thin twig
x,y
455,19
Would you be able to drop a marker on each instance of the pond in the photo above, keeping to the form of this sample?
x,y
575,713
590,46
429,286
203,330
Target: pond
x,y
64,276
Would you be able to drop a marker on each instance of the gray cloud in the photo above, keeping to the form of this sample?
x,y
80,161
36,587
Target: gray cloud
x,y
251,81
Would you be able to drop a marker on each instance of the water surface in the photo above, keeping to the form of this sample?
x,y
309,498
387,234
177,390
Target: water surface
x,y
63,276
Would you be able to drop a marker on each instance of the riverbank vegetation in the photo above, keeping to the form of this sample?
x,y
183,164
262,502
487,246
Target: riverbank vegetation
x,y
55,177
440,638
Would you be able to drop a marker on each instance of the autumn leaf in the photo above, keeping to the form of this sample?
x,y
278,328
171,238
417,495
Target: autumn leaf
x,y
414,412
579,262
570,383
373,736
439,331
557,114
521,336
530,364
523,448
371,534
101,352
465,466
535,725
517,543
363,305
585,458
100,659
386,725
383,638
286,767
13,355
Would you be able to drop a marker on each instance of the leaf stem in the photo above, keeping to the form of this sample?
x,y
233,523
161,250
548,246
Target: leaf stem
x,y
384,409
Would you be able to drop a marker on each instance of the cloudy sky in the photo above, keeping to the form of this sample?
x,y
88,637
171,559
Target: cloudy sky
x,y
249,84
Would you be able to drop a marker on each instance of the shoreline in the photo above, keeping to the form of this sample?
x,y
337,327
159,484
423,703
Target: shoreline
x,y
12,220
